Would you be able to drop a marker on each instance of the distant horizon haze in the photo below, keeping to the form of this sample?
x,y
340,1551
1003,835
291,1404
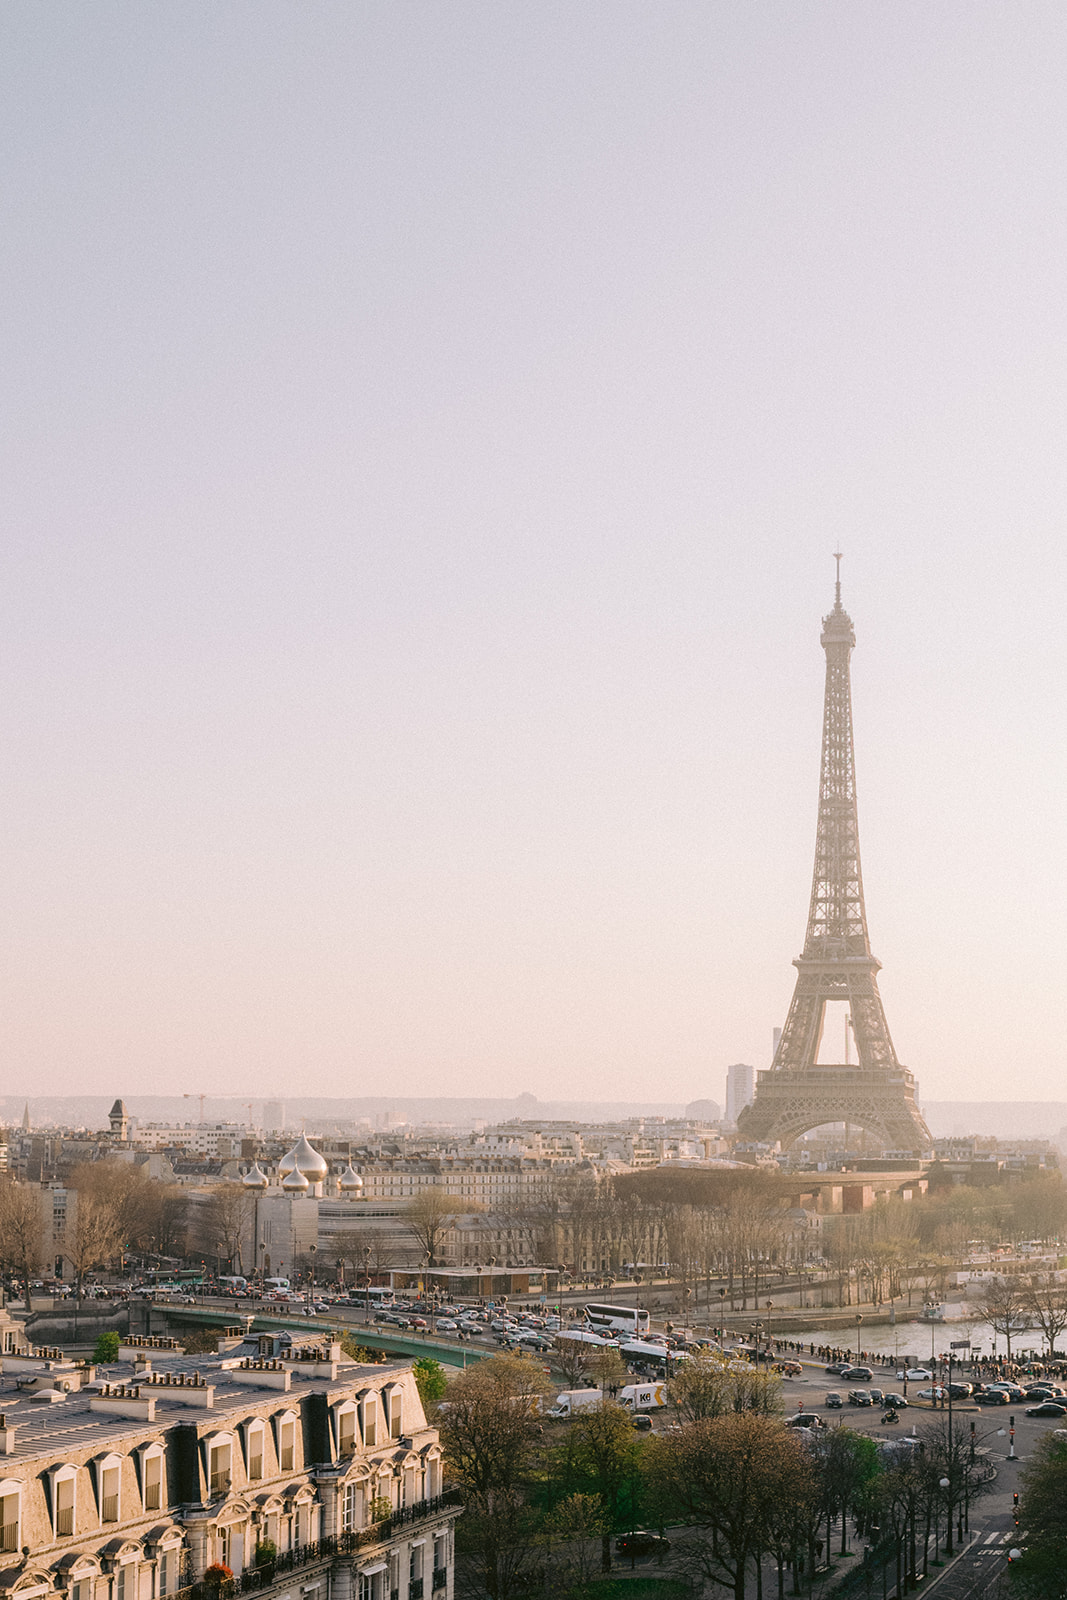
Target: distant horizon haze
x,y
426,434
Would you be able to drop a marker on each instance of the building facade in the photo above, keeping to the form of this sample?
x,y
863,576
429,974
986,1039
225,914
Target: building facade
x,y
275,1466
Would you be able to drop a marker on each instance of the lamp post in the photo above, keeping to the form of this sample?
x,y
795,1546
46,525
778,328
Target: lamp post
x,y
722,1316
341,1273
366,1284
312,1248
859,1321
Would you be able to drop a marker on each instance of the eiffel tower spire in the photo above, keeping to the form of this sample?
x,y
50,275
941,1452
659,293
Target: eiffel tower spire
x,y
837,963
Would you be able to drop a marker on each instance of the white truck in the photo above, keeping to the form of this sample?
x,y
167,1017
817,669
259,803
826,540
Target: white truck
x,y
569,1402
642,1396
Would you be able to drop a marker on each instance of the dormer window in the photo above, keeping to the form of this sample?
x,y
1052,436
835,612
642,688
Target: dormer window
x,y
370,1421
287,1443
10,1516
220,1467
254,1445
151,1465
107,1471
345,1423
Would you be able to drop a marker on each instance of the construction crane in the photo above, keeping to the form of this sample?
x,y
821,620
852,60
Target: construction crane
x,y
201,1098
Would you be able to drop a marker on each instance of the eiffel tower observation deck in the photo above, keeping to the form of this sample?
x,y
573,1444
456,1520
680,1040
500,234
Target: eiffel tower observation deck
x,y
799,1092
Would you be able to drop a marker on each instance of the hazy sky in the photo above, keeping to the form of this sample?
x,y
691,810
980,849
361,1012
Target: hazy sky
x,y
425,431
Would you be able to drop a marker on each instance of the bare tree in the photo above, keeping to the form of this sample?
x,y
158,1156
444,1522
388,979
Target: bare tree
x,y
1045,1298
21,1231
431,1214
224,1222
1003,1303
95,1239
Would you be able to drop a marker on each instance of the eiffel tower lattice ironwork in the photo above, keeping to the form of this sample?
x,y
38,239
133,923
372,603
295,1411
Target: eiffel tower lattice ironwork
x,y
798,1093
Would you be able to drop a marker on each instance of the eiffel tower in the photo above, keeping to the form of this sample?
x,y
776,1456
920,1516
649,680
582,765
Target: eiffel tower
x,y
798,1093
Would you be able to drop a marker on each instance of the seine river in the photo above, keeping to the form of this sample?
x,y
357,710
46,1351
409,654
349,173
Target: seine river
x,y
921,1339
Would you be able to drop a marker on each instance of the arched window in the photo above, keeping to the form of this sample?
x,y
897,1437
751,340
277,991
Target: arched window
x,y
63,1482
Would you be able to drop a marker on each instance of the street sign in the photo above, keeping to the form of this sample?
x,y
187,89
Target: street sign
x,y
959,1344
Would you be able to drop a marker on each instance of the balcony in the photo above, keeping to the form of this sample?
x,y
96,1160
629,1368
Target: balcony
x,y
324,1550
440,1577
415,1589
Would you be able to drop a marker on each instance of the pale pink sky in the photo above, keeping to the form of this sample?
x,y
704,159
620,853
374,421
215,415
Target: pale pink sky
x,y
425,431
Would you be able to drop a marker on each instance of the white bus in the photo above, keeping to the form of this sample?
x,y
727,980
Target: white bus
x,y
620,1319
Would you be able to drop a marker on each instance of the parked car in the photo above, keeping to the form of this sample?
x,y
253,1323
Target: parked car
x,y
992,1397
446,1325
641,1543
1047,1408
643,1423
834,1400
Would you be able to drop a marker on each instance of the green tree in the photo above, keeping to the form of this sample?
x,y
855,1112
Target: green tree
x,y
601,1456
1042,1572
107,1347
432,1381
489,1432
731,1474
710,1384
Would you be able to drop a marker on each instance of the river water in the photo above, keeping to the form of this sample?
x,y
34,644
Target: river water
x,y
923,1340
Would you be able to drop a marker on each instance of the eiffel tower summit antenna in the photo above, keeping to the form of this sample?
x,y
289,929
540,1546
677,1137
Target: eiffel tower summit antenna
x,y
799,1093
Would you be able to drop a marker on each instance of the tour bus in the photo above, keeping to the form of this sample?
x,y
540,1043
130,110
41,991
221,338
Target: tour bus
x,y
374,1296
276,1285
621,1319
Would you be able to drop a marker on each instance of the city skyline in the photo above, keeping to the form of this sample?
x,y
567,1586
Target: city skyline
x,y
426,441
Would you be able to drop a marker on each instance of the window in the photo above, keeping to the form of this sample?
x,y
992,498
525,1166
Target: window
x,y
153,1482
82,1589
350,1507
415,1573
109,1494
370,1421
64,1503
164,1573
222,1547
346,1431
9,1520
394,1413
440,1561
219,1468
287,1444
255,1452
125,1581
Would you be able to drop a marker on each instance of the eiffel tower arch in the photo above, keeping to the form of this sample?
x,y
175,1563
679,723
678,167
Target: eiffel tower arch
x,y
799,1093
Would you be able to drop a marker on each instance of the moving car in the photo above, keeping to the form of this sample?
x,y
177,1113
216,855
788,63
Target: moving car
x,y
860,1397
858,1374
916,1375
834,1401
789,1369
897,1401
804,1419
641,1543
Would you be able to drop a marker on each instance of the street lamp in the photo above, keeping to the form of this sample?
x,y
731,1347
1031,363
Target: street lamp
x,y
722,1316
859,1319
366,1283
312,1248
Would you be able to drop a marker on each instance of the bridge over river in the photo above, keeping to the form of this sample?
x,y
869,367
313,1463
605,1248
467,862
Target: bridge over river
x,y
167,1317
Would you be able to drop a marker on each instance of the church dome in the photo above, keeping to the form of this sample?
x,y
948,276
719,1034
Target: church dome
x,y
295,1182
350,1180
302,1158
256,1178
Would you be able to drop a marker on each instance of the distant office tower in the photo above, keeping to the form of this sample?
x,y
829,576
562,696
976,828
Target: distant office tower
x,y
740,1089
274,1116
